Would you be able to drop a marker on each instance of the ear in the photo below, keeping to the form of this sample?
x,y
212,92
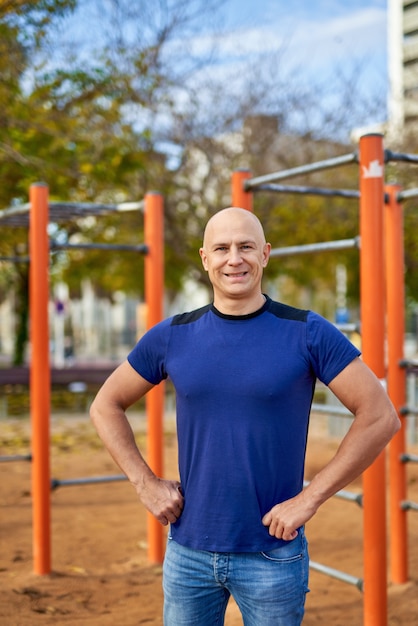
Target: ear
x,y
266,253
204,258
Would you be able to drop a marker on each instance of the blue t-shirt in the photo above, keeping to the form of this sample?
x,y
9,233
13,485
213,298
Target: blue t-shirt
x,y
244,387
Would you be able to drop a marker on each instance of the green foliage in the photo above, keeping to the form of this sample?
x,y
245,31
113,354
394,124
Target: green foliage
x,y
91,127
75,126
299,220
296,220
31,19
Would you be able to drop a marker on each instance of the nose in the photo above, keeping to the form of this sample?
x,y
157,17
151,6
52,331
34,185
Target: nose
x,y
234,257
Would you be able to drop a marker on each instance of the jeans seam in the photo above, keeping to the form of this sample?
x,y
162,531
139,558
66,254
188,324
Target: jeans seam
x,y
290,559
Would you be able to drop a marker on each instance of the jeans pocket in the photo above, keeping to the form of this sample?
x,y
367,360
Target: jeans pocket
x,y
288,552
280,556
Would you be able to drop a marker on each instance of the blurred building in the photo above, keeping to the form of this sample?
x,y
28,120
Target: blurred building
x,y
402,67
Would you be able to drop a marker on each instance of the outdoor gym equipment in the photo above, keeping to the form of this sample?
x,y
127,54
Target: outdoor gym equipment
x,y
382,318
38,214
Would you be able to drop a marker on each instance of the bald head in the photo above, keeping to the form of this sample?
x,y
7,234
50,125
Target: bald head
x,y
234,254
232,217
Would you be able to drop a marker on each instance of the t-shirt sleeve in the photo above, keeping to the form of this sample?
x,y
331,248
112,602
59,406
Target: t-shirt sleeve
x,y
148,357
329,349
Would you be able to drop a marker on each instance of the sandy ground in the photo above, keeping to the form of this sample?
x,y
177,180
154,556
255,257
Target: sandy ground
x,y
100,571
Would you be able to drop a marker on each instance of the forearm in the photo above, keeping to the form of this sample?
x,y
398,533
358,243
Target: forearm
x,y
375,422
108,414
162,498
357,451
114,430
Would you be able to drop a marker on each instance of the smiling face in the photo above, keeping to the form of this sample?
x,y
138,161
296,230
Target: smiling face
x,y
234,254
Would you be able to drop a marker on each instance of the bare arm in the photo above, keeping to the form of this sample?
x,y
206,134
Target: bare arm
x,y
375,422
163,498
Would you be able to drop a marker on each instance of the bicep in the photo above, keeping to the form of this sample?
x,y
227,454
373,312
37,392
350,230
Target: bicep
x,y
123,387
359,389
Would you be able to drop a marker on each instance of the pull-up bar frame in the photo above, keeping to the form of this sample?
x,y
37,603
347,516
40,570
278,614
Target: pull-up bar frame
x,y
310,168
113,247
40,377
40,364
371,159
322,246
312,191
395,273
372,308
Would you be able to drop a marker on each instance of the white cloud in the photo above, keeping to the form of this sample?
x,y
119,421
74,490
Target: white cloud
x,y
316,40
347,34
354,35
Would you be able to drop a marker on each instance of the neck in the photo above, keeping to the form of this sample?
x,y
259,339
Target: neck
x,y
236,306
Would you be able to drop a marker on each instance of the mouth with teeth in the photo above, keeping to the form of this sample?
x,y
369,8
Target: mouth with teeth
x,y
236,275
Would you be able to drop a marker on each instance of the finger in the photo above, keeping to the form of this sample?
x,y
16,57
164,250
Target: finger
x,y
177,510
279,531
275,529
178,506
266,521
180,498
288,536
174,512
171,517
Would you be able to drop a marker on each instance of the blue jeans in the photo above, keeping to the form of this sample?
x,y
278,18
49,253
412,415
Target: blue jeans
x,y
268,587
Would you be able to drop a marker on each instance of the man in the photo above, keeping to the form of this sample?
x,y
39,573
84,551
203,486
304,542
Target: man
x,y
244,370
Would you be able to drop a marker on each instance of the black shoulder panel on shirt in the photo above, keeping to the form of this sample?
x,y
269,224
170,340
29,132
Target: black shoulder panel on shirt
x,y
189,318
284,311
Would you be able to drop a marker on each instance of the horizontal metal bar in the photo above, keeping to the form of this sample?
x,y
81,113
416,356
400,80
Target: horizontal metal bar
x,y
250,183
55,483
313,191
15,259
409,364
409,458
81,208
15,457
131,206
349,327
325,246
407,193
335,573
143,248
409,410
407,505
63,211
343,494
398,156
350,496
331,409
20,209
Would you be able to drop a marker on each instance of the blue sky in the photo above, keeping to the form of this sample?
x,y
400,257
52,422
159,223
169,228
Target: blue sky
x,y
317,41
317,33
316,38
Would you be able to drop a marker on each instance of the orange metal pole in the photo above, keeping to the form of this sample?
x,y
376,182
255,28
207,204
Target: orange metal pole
x,y
372,295
395,303
40,376
154,292
240,197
